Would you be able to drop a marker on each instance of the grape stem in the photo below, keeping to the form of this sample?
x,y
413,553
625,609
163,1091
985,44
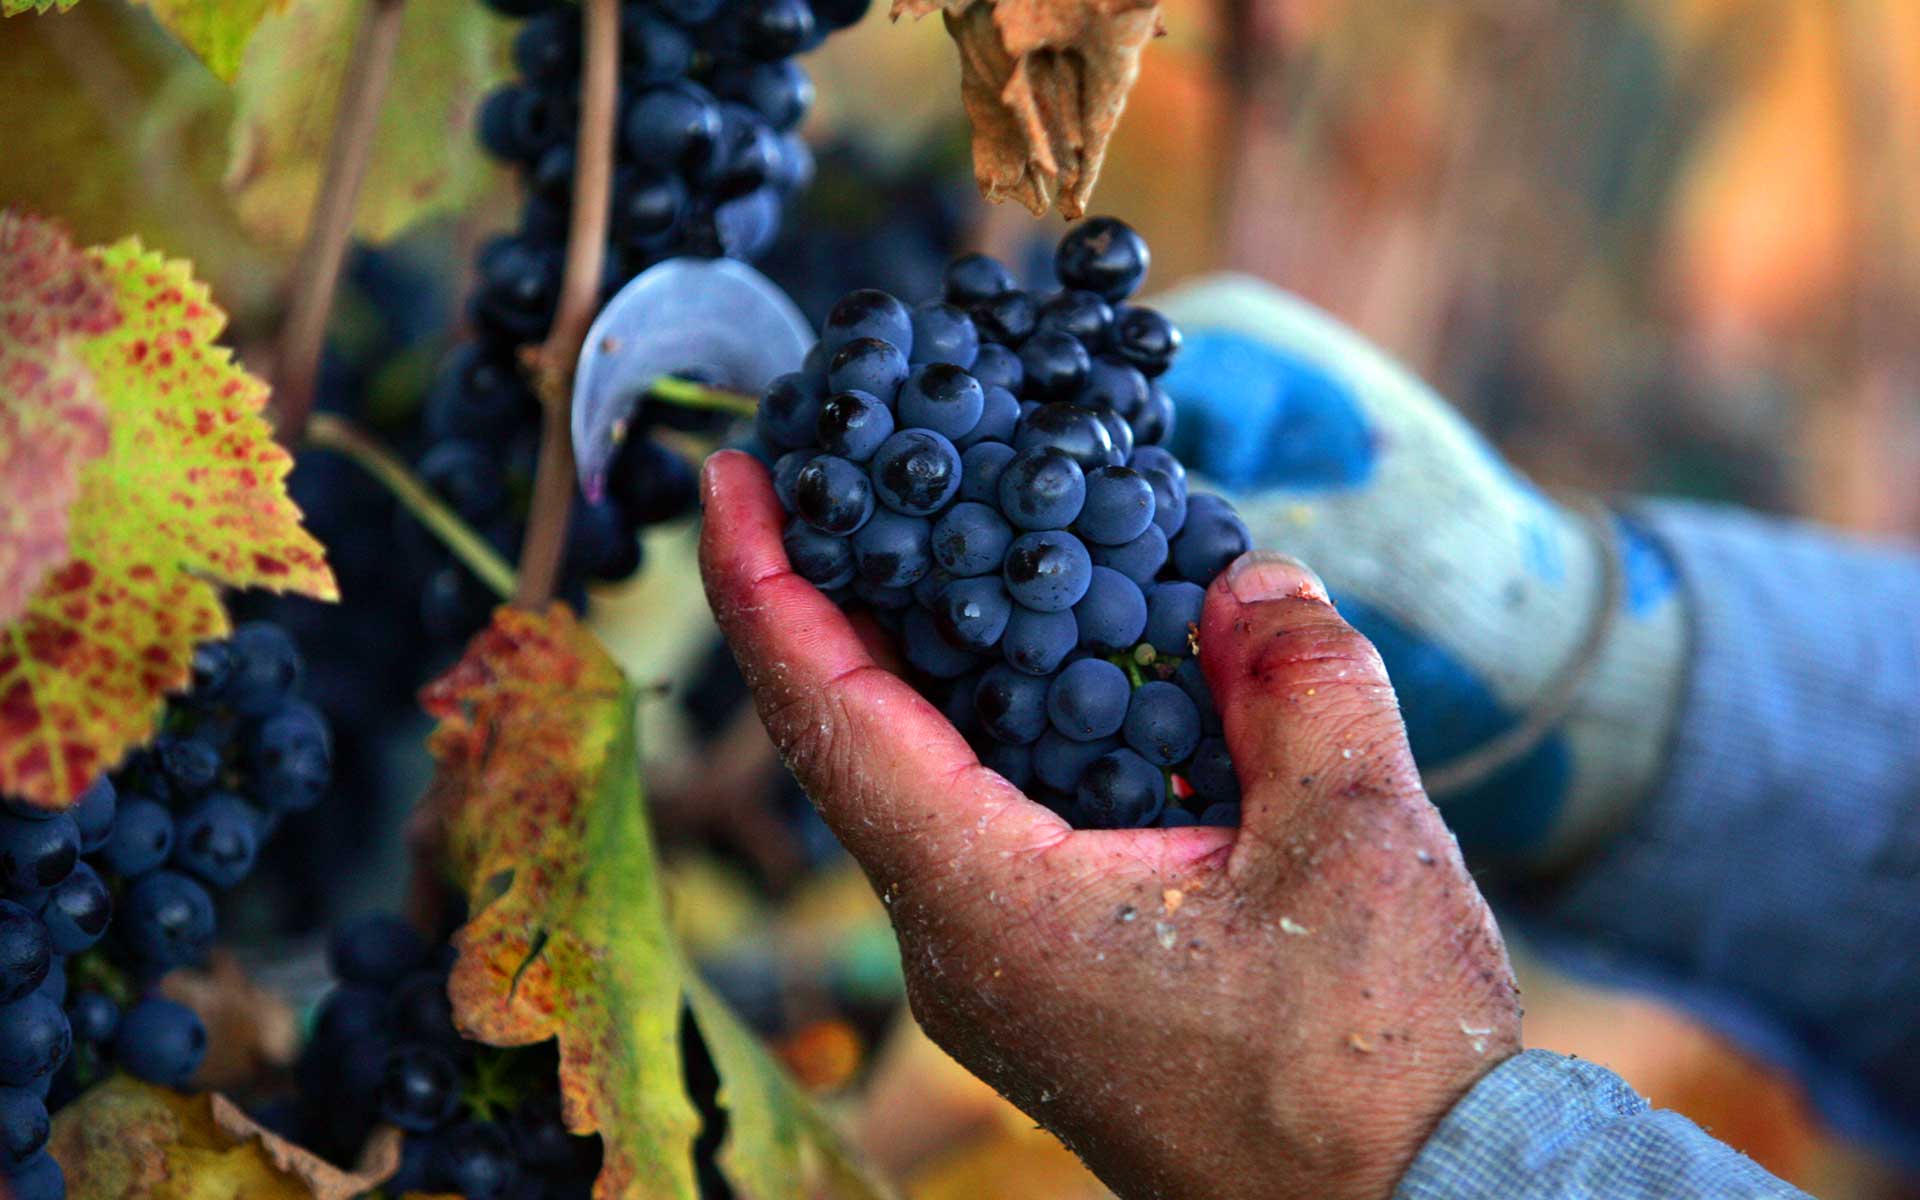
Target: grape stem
x,y
684,393
554,361
329,432
317,273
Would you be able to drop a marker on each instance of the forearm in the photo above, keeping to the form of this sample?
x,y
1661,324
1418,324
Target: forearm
x,y
1546,1127
1768,881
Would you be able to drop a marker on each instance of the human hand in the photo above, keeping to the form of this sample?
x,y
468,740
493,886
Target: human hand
x,y
1482,595
1285,1009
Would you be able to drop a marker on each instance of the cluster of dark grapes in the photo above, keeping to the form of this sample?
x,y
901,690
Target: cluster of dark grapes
x,y
707,155
477,1122
984,473
143,852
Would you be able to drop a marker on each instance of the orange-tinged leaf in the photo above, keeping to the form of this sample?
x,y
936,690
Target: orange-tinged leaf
x,y
128,1140
191,494
52,421
538,803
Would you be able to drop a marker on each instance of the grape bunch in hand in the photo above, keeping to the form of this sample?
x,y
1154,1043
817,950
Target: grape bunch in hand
x,y
983,473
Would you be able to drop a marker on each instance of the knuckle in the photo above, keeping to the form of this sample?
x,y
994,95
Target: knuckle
x,y
1311,654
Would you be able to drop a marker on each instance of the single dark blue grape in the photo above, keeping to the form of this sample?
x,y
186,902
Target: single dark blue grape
x,y
1153,424
289,755
1087,701
833,495
1102,255
1120,433
38,1178
786,473
647,204
419,1089
930,651
1173,617
519,284
77,911
998,366
547,48
1139,560
915,472
779,91
868,313
93,814
1118,508
218,840
943,398
23,1128
1113,386
1119,790
190,763
350,1013
1226,816
840,14
601,545
1146,339
944,334
774,29
1080,314
1169,499
1055,363
974,278
1036,643
892,550
475,1160
1012,705
1014,763
1213,536
1047,571
519,123
821,559
652,50
971,539
26,952
1193,682
1070,429
1059,761
745,227
266,667
37,853
213,666
789,411
1042,488
376,949
94,1017
1159,458
869,365
853,425
161,1042
142,837
747,154
1163,725
418,1009
167,919
1212,774
981,465
34,1039
1112,613
1008,318
673,125
973,612
467,474
999,415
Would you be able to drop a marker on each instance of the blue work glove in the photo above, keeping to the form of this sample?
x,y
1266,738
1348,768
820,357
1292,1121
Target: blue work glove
x,y
1486,598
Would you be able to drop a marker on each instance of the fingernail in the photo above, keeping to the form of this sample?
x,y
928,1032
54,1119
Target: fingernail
x,y
1270,575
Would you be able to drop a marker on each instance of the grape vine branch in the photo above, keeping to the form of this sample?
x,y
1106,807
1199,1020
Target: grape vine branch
x,y
553,361
317,273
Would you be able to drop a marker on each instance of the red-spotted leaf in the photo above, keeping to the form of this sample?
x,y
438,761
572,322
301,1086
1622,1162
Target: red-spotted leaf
x,y
52,421
190,495
538,803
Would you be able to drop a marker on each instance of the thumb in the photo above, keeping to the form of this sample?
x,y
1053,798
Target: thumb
x,y
1310,717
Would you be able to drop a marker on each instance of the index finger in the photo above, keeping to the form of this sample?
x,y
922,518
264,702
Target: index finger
x,y
893,778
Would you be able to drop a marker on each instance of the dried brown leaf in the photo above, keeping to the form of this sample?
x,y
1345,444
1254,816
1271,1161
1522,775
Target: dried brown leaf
x,y
1044,83
250,1028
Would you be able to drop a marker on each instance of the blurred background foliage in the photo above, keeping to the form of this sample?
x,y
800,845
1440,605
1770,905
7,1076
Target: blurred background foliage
x,y
1647,245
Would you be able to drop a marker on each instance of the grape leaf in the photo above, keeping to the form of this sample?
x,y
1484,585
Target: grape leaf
x,y
128,1140
190,494
52,421
538,803
1044,83
215,30
425,159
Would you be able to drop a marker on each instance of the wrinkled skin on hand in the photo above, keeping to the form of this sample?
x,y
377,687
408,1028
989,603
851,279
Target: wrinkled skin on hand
x,y
1286,1009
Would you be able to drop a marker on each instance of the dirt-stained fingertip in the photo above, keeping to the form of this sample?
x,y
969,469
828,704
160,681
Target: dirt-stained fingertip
x,y
1260,575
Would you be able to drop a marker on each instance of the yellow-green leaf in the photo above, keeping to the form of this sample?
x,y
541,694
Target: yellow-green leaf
x,y
537,796
425,159
128,1140
14,8
216,30
52,421
191,494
